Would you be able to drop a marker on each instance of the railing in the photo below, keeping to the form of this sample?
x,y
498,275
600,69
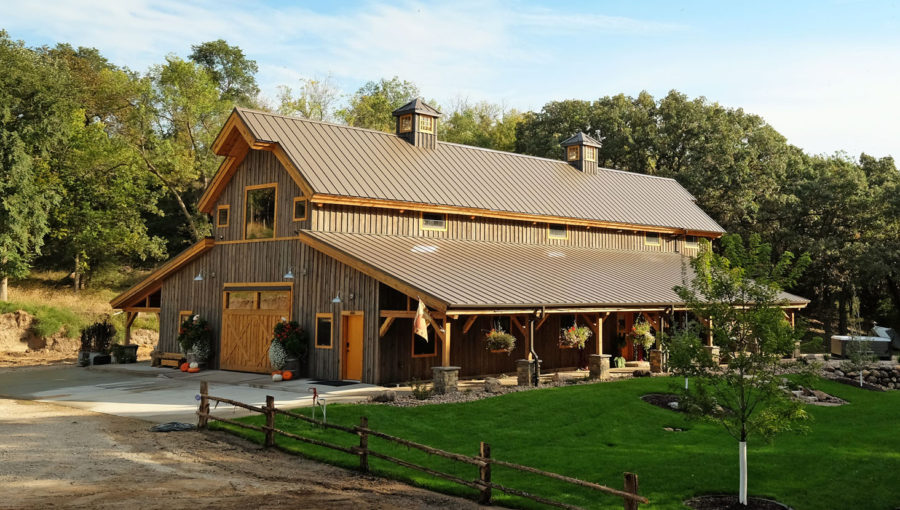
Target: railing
x,y
483,461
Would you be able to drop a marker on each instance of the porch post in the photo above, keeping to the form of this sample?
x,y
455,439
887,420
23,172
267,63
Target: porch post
x,y
129,320
709,333
445,346
600,318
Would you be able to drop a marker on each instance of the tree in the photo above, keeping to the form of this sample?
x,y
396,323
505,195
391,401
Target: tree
x,y
738,291
34,109
233,73
315,101
481,124
371,106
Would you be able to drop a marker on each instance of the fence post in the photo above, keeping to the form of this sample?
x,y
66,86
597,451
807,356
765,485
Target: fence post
x,y
484,473
631,486
270,421
363,444
203,412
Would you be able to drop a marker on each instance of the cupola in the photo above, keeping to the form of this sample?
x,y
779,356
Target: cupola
x,y
581,151
417,123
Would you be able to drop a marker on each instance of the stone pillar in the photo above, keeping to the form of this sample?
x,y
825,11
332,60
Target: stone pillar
x,y
656,361
713,352
445,379
599,365
525,372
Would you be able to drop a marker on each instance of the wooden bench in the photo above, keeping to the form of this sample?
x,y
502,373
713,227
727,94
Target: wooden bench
x,y
166,359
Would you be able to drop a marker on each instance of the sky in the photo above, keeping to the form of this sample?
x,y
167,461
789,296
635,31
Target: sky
x,y
826,74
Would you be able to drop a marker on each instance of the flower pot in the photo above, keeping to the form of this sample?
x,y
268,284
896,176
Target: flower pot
x,y
84,358
292,364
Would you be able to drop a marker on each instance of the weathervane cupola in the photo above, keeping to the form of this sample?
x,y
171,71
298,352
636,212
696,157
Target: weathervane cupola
x,y
581,151
417,123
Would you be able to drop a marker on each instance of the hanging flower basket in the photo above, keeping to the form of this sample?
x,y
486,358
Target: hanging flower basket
x,y
499,340
575,336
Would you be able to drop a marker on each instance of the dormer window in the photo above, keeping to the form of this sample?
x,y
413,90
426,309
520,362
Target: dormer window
x,y
572,153
590,154
406,123
426,124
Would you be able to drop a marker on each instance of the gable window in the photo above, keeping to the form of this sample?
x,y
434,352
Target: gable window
x,y
691,242
590,154
651,238
424,348
572,153
557,231
259,211
406,123
426,124
434,221
222,214
300,208
323,331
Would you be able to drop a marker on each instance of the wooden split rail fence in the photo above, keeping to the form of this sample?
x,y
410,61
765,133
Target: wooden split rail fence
x,y
483,461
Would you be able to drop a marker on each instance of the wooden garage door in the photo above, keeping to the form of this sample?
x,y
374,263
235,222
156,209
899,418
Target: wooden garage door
x,y
248,318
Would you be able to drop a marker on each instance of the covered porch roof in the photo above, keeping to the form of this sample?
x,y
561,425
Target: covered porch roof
x,y
458,276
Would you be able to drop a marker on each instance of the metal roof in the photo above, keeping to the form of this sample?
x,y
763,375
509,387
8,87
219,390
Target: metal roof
x,y
580,138
417,106
478,274
361,163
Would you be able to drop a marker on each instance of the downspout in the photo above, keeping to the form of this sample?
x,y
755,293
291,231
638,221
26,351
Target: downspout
x,y
536,377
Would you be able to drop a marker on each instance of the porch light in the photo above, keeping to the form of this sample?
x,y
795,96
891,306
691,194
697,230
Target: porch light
x,y
199,277
337,299
290,274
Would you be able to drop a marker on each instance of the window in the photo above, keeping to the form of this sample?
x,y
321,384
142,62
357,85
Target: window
x,y
406,123
183,316
240,300
300,207
426,124
278,299
274,300
651,238
434,221
424,348
691,242
557,231
259,212
222,215
572,153
323,331
590,154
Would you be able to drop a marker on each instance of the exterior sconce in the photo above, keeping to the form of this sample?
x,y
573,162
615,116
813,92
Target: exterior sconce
x,y
290,274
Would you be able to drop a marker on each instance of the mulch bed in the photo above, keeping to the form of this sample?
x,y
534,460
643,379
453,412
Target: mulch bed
x,y
730,502
662,400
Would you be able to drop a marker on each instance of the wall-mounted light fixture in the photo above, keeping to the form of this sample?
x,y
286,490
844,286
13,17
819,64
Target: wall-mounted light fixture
x,y
290,274
337,299
199,277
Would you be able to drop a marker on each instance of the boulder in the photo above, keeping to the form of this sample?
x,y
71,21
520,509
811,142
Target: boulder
x,y
492,385
385,396
641,373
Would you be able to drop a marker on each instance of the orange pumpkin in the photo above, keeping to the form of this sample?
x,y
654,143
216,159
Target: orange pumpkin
x,y
184,367
193,370
287,375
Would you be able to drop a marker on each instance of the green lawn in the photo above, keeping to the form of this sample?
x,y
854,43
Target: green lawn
x,y
849,459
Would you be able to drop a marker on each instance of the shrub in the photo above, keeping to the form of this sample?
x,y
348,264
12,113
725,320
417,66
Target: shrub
x,y
195,337
292,338
97,336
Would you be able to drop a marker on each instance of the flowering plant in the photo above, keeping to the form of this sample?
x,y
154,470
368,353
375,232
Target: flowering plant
x,y
575,336
499,340
642,335
195,337
291,337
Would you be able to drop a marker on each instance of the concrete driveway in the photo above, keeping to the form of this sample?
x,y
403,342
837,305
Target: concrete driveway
x,y
161,395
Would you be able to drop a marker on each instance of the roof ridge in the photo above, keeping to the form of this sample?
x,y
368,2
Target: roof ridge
x,y
426,240
313,121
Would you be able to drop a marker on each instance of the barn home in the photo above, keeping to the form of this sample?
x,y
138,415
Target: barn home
x,y
345,230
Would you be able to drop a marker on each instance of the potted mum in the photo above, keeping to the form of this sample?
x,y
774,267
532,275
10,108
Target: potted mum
x,y
497,340
575,336
195,340
288,348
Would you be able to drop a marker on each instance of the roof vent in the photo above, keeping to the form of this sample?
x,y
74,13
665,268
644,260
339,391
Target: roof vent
x,y
581,152
417,123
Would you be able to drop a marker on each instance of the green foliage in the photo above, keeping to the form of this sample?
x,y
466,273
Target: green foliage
x,y
499,340
195,336
98,336
371,106
315,101
482,125
49,319
233,73
293,338
615,425
575,336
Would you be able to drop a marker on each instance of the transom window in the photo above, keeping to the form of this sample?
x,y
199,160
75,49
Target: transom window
x,y
557,231
691,242
406,123
258,300
300,208
572,153
651,238
434,221
222,214
259,212
426,124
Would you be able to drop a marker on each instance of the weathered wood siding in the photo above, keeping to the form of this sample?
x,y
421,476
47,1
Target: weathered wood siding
x,y
259,167
337,218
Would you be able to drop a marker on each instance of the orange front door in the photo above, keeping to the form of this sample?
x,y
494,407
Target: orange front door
x,y
352,344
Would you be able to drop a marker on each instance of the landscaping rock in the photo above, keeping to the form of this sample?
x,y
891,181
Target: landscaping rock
x,y
385,396
492,385
641,373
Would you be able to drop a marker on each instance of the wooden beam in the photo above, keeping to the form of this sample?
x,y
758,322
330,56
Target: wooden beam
x,y
438,331
468,325
385,326
528,311
404,314
129,320
601,317
445,346
515,322
542,321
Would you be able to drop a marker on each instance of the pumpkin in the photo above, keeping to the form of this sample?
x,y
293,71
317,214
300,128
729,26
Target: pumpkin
x,y
276,377
193,370
194,365
287,375
184,367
